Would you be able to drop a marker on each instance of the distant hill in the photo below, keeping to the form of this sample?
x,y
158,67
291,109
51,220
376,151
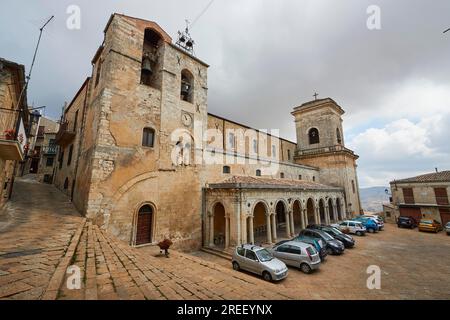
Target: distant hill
x,y
372,198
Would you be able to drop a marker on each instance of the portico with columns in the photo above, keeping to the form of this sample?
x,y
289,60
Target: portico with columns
x,y
258,210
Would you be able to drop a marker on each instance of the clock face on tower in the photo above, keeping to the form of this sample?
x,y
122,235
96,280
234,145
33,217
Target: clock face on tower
x,y
186,119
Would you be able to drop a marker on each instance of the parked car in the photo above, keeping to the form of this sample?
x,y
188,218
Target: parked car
x,y
353,227
297,254
260,261
318,244
370,225
377,219
346,239
430,225
333,246
406,222
447,228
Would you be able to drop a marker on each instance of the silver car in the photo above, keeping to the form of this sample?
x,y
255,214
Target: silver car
x,y
297,254
260,261
353,227
447,228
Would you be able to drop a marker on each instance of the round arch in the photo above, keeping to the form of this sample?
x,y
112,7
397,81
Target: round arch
x,y
339,209
297,215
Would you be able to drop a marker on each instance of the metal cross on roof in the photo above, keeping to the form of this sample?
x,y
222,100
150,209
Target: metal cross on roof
x,y
315,95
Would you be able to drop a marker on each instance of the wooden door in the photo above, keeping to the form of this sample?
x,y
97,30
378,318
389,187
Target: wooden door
x,y
144,225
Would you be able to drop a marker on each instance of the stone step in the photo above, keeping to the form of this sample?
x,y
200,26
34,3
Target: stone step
x,y
217,252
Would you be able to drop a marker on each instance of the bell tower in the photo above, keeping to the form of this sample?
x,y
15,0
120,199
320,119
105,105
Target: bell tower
x,y
320,143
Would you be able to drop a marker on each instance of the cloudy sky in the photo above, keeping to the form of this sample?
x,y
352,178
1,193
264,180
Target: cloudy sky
x,y
268,56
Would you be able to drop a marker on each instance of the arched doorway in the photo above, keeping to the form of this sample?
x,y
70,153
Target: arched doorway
x,y
144,225
331,210
310,208
322,211
297,212
219,225
339,209
261,229
280,218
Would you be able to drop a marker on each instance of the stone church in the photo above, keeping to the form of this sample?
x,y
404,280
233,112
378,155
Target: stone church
x,y
141,156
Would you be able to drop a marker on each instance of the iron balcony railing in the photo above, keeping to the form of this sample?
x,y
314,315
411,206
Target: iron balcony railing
x,y
49,150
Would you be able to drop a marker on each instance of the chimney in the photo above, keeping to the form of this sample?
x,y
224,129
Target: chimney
x,y
436,170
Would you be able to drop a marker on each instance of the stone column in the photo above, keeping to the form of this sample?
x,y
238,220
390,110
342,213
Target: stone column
x,y
317,216
274,227
250,227
211,230
304,218
291,216
227,232
288,224
268,228
327,215
336,218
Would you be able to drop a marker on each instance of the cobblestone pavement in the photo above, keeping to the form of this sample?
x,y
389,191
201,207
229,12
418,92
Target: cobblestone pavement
x,y
35,231
41,234
414,265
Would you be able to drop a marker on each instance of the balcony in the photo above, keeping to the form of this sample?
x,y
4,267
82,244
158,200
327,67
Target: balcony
x,y
50,150
10,149
322,150
64,135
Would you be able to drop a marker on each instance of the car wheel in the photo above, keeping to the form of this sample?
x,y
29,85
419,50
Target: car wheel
x,y
358,233
266,276
329,251
305,268
371,230
236,266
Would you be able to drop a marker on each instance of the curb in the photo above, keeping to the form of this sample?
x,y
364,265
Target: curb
x,y
51,293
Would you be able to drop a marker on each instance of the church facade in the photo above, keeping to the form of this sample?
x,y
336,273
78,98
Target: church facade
x,y
149,162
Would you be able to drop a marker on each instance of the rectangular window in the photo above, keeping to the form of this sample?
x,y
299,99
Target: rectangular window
x,y
231,140
49,162
61,159
148,137
69,158
408,195
289,154
441,196
353,186
300,177
75,122
255,146
99,71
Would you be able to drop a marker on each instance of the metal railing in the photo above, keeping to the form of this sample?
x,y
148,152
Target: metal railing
x,y
50,150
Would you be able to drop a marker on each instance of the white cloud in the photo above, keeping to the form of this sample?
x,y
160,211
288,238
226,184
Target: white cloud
x,y
402,148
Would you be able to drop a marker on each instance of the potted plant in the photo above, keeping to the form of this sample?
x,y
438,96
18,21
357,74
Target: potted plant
x,y
165,245
9,134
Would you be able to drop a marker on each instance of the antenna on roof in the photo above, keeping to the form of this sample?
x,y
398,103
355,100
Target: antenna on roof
x,y
185,40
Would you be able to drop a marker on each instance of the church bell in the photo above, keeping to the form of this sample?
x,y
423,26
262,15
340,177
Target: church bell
x,y
147,65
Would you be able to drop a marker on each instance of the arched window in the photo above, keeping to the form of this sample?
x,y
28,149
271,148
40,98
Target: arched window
x,y
282,175
148,137
300,177
314,178
226,170
313,136
338,136
258,173
149,65
187,86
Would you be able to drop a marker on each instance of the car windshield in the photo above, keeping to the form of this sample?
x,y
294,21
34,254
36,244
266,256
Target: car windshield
x,y
333,231
448,224
264,255
325,235
427,221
